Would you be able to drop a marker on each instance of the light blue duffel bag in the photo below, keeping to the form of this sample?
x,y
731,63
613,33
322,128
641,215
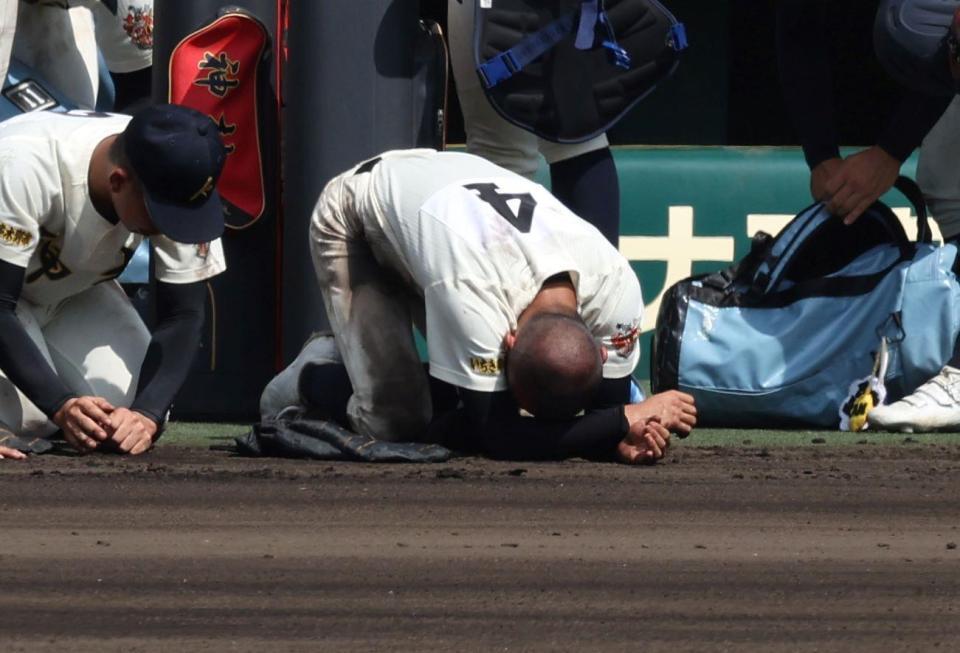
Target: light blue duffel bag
x,y
778,338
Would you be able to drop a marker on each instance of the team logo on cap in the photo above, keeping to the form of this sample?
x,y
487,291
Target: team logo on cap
x,y
204,191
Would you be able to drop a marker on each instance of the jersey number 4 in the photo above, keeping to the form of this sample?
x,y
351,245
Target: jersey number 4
x,y
522,219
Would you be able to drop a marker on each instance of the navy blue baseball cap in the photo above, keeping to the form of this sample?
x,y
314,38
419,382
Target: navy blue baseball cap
x,y
177,154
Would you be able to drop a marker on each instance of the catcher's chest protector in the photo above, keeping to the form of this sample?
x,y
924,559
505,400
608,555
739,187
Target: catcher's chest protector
x,y
567,70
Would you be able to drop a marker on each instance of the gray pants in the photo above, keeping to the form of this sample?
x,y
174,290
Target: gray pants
x,y
938,171
488,134
372,305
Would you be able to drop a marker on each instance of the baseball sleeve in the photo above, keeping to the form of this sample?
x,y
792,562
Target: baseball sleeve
x,y
24,202
179,263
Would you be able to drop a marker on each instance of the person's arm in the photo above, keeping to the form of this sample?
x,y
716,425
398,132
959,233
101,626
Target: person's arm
x,y
913,118
493,421
20,358
490,422
172,348
81,418
806,76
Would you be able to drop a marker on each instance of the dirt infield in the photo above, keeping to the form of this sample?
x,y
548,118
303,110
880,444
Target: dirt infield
x,y
790,549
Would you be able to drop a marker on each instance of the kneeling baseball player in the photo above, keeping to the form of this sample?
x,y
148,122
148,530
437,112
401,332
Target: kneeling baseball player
x,y
78,193
529,313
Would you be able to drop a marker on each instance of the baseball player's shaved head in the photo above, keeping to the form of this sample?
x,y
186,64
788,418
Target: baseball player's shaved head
x,y
555,366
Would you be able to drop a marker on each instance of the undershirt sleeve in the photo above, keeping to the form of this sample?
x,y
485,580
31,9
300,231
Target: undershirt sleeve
x,y
20,358
491,422
806,76
174,345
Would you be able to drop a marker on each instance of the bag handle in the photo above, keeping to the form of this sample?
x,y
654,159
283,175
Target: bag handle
x,y
816,218
778,256
909,189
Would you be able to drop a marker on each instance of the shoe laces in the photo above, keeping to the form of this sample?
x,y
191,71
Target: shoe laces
x,y
946,384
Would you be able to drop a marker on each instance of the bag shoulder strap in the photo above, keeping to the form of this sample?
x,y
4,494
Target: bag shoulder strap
x,y
909,189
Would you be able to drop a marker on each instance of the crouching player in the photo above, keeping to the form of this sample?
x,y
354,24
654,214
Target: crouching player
x,y
531,316
78,193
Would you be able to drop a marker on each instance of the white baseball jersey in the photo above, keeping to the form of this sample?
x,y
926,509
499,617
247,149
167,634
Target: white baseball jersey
x,y
48,224
480,241
124,38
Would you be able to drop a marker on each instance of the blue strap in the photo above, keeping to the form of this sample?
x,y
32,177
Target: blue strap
x,y
506,64
620,57
678,37
589,17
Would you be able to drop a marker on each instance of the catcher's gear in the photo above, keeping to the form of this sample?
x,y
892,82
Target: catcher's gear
x,y
293,435
911,41
567,70
25,445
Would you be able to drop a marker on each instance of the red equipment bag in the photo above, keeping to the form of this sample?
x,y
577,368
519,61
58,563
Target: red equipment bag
x,y
221,70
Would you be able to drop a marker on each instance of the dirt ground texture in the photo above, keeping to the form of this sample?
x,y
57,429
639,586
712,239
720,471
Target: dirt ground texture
x,y
739,549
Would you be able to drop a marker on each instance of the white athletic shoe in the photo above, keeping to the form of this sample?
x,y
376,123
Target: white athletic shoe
x,y
934,406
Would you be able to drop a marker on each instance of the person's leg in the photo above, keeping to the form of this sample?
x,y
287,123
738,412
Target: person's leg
x,y
284,390
61,46
488,134
133,90
8,26
97,342
938,174
939,178
583,175
588,185
935,405
370,317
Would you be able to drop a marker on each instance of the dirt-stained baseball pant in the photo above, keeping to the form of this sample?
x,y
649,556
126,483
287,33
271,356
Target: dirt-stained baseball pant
x,y
372,305
938,172
95,341
488,134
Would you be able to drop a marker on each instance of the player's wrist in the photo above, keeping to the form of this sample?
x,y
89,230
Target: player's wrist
x,y
151,421
60,409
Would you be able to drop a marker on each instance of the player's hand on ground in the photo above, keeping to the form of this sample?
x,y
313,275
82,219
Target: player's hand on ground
x,y
860,181
12,454
84,421
131,432
820,175
647,442
673,409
